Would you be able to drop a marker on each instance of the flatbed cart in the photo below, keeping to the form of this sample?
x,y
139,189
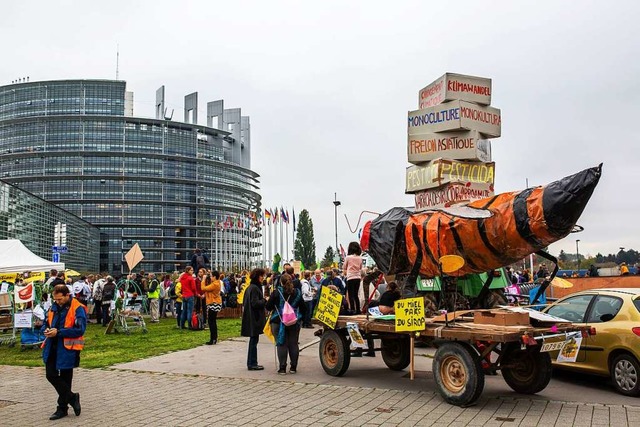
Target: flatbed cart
x,y
464,352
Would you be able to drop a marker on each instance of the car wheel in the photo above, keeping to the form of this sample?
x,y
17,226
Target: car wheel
x,y
625,372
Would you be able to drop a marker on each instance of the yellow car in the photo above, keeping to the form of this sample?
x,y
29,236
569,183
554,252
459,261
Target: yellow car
x,y
615,349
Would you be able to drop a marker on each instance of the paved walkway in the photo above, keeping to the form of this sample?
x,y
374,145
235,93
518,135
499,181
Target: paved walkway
x,y
209,385
128,398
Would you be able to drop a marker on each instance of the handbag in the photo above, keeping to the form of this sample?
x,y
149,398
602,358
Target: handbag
x,y
288,316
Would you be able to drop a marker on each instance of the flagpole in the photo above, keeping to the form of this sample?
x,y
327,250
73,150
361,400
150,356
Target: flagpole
x,y
281,242
287,229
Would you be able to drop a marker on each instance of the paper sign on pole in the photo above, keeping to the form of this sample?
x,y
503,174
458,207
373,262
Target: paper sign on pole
x,y
451,194
455,115
328,308
424,147
23,320
23,294
443,171
456,86
357,341
409,314
133,257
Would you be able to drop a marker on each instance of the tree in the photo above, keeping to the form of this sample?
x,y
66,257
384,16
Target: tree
x,y
304,248
327,261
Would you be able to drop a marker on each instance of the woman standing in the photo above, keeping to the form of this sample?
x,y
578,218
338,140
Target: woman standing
x,y
351,269
253,317
211,287
286,336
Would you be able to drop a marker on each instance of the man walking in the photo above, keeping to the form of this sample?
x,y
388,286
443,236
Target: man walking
x,y
64,329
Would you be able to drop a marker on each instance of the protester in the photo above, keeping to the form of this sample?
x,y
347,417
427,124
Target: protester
x,y
96,294
253,317
286,336
331,279
388,298
108,295
188,296
624,270
154,295
308,293
211,287
178,303
64,329
199,260
351,269
162,299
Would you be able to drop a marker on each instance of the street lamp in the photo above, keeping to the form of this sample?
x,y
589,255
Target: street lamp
x,y
578,257
336,203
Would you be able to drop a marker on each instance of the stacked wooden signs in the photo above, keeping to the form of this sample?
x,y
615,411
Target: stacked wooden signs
x,y
448,142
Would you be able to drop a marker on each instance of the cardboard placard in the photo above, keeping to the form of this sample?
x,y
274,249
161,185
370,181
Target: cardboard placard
x,y
453,116
451,194
442,171
501,318
424,147
297,267
409,314
570,349
328,307
456,86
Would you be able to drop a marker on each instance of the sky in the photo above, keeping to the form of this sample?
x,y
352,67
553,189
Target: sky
x,y
328,85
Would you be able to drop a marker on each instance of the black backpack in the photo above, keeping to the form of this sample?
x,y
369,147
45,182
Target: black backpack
x,y
232,301
200,262
172,290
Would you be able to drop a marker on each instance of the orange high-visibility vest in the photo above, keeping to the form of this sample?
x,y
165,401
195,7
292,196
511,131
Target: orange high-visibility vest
x,y
69,321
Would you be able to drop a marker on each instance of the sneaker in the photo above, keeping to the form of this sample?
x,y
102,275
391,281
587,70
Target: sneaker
x,y
282,371
292,370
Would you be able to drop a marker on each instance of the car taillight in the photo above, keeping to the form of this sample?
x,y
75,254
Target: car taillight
x,y
592,331
636,331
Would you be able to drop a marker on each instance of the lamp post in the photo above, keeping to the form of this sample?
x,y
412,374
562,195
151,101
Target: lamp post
x,y
578,257
336,203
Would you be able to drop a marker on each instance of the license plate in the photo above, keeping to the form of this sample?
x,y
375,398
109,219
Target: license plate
x,y
552,346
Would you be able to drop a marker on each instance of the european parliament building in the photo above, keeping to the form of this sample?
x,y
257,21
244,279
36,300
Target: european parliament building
x,y
159,182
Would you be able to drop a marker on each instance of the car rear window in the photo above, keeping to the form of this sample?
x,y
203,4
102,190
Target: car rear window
x,y
636,302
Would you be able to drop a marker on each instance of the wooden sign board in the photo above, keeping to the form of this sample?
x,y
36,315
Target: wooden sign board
x,y
455,116
424,147
451,194
456,86
443,171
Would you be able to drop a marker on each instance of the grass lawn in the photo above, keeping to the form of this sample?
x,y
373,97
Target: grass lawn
x,y
104,350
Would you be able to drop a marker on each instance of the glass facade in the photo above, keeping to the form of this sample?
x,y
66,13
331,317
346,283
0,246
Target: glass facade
x,y
159,183
33,220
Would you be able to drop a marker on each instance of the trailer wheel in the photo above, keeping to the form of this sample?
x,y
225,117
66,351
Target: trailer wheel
x,y
458,374
334,353
396,352
526,371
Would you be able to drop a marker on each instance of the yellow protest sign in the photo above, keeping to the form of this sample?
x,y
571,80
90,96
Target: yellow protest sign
x,y
409,314
8,277
328,307
35,277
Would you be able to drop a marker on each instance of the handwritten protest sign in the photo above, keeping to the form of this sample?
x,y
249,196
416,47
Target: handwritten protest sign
x,y
328,307
409,314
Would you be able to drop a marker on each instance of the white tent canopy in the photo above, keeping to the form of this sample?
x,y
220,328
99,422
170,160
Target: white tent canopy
x,y
17,258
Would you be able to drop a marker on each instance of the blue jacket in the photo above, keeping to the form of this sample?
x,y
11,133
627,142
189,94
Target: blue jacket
x,y
66,359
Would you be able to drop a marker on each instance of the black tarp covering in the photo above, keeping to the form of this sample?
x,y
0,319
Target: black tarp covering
x,y
385,230
564,200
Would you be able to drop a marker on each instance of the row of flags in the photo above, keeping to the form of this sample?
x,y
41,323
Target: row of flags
x,y
251,219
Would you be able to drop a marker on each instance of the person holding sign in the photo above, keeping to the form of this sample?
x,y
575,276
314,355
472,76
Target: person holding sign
x,y
253,317
286,336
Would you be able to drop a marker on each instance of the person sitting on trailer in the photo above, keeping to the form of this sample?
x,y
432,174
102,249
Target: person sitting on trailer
x,y
388,298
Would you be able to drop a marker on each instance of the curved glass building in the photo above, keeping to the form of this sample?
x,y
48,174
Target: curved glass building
x,y
163,184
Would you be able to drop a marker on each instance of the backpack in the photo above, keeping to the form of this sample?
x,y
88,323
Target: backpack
x,y
196,322
163,291
108,294
232,301
200,261
97,292
172,290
